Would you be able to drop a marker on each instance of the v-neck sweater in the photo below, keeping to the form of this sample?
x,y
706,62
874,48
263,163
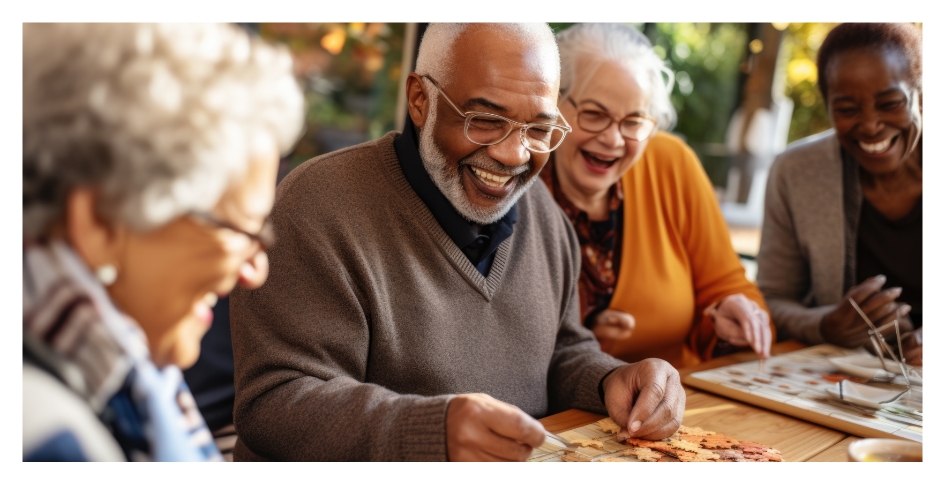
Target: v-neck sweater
x,y
372,319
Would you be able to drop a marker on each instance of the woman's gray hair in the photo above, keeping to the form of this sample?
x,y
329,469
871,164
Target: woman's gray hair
x,y
584,47
158,118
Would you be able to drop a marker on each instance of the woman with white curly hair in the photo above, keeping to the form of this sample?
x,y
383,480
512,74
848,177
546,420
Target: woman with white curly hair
x,y
150,154
659,277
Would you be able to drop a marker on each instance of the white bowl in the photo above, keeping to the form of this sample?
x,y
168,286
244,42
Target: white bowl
x,y
876,449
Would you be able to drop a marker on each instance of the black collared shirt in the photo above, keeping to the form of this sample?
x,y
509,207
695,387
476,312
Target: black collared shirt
x,y
477,242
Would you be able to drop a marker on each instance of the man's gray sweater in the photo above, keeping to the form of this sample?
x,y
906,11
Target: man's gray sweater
x,y
372,319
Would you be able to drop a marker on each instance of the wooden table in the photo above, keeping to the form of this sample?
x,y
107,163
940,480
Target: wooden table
x,y
797,440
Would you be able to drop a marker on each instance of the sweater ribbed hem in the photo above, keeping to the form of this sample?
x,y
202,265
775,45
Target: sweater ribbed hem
x,y
588,396
422,434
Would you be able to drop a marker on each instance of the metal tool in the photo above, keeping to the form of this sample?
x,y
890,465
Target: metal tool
x,y
559,441
880,343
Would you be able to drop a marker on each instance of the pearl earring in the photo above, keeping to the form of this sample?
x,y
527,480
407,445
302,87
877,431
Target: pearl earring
x,y
107,274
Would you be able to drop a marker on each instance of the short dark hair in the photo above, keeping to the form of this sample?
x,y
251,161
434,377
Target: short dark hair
x,y
906,39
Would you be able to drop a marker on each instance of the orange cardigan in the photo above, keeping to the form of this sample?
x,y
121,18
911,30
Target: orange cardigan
x,y
676,257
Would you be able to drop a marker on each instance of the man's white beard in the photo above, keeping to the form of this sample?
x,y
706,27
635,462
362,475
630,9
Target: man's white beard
x,y
449,180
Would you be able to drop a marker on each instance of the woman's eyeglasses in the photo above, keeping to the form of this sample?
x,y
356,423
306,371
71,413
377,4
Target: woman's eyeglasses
x,y
489,129
266,237
633,127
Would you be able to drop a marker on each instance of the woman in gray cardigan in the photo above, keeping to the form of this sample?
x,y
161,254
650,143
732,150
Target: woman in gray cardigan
x,y
843,209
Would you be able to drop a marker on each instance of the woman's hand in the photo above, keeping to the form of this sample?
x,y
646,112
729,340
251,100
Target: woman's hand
x,y
912,347
612,325
740,322
845,327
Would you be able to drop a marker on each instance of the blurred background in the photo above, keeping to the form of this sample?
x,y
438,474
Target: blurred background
x,y
743,91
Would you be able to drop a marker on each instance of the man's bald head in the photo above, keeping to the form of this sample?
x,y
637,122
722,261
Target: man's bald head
x,y
448,50
507,70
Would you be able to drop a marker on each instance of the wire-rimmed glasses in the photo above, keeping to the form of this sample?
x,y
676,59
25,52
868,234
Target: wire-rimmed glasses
x,y
879,343
634,127
489,129
266,237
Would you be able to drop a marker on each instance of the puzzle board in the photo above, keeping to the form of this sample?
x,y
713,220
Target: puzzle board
x,y
795,384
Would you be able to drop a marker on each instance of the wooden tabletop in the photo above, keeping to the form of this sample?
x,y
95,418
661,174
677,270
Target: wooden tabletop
x,y
797,440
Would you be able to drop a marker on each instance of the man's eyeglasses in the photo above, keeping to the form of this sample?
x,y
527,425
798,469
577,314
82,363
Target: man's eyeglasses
x,y
489,129
634,127
266,237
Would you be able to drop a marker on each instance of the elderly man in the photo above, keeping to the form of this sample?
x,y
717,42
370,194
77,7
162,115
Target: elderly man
x,y
422,301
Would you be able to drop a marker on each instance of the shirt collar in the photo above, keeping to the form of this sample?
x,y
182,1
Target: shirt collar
x,y
462,232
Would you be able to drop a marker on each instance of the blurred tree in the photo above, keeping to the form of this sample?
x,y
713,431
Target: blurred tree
x,y
707,59
800,54
349,73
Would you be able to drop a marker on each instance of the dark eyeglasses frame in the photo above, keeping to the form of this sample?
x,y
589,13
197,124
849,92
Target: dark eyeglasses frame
x,y
523,127
266,236
612,120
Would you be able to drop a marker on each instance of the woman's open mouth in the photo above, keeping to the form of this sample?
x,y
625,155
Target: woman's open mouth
x,y
598,163
880,148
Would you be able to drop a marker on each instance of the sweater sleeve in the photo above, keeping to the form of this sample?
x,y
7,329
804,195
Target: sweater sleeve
x,y
300,344
716,269
578,365
783,270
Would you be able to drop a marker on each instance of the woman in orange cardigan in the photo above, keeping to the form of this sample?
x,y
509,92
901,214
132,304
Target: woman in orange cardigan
x,y
659,277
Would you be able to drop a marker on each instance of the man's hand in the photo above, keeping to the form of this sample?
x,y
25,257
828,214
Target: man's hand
x,y
845,327
740,321
482,428
646,398
612,325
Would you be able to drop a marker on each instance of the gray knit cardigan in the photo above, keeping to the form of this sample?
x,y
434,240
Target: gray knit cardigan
x,y
808,241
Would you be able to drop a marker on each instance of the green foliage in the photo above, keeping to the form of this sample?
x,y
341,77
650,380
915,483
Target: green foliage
x,y
707,61
799,53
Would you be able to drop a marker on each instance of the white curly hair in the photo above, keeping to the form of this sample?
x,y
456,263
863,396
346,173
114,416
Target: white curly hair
x,y
160,118
584,47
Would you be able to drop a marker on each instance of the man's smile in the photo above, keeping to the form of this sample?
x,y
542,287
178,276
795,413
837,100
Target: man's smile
x,y
489,178
489,185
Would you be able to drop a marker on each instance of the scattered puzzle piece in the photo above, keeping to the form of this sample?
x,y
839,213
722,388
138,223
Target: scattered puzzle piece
x,y
660,446
695,431
730,455
752,447
608,425
589,443
685,445
773,455
572,456
689,456
712,442
644,454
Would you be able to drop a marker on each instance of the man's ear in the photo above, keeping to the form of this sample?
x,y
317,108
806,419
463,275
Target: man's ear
x,y
97,242
417,100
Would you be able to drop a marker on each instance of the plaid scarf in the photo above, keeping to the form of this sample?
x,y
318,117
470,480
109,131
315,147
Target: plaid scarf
x,y
70,323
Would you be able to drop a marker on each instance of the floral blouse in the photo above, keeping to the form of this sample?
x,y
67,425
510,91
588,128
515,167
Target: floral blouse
x,y
600,246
